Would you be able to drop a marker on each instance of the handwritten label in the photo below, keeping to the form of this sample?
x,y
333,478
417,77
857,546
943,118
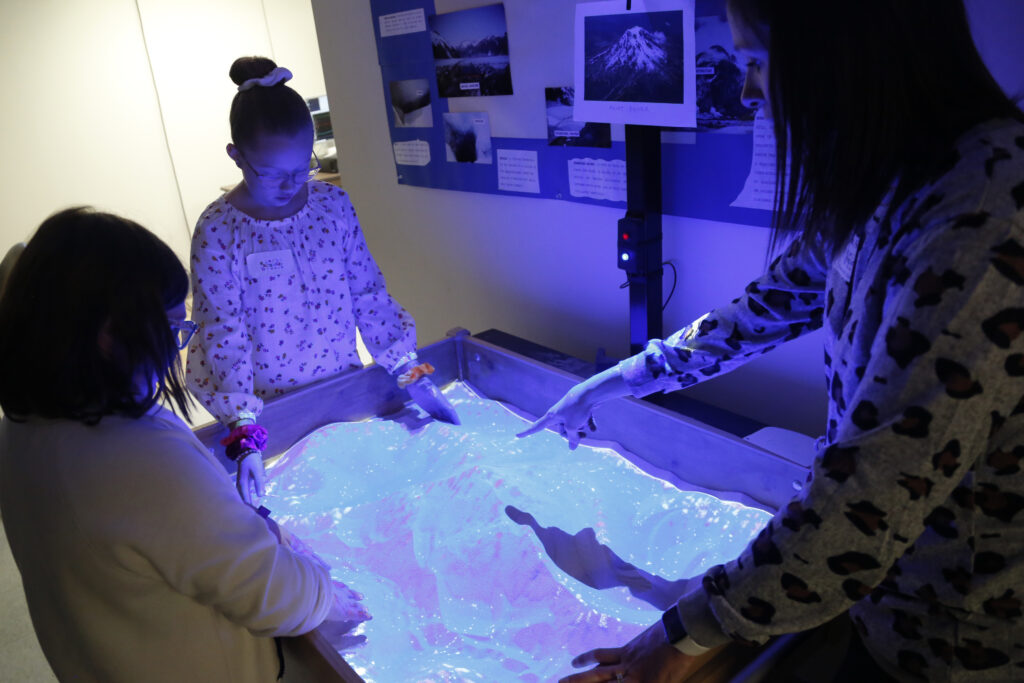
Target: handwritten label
x,y
598,179
412,153
469,86
517,171
629,107
399,23
266,263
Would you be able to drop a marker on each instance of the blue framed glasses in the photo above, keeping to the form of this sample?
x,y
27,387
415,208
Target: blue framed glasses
x,y
278,177
183,331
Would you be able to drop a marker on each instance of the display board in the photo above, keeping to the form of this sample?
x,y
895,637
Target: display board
x,y
470,92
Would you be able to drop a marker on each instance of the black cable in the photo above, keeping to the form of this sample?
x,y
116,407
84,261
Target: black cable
x,y
675,279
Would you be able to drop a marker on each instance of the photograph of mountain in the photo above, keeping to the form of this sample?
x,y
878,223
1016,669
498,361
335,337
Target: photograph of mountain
x,y
634,57
467,137
564,130
719,78
410,103
471,52
635,67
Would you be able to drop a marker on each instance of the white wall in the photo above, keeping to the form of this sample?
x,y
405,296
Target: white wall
x,y
123,104
190,51
191,45
543,269
80,122
293,43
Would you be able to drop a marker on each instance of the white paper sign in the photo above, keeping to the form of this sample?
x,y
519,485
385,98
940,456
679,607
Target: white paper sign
x,y
759,190
598,179
412,153
517,171
399,23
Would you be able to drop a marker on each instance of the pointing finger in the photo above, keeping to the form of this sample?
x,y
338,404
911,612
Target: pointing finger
x,y
538,426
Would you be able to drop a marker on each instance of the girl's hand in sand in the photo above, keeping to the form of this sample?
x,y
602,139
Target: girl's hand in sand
x,y
347,606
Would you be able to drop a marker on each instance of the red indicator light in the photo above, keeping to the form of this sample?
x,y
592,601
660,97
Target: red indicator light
x,y
625,235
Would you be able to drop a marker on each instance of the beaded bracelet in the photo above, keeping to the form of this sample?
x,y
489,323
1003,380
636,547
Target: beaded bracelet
x,y
410,376
244,454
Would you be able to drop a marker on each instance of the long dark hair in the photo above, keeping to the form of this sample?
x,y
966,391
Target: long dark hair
x,y
264,110
865,96
85,274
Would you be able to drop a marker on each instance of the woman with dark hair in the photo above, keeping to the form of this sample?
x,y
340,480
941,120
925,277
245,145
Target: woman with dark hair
x,y
901,170
138,560
282,277
92,276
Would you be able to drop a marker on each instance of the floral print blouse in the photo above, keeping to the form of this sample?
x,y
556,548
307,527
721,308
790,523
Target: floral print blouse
x,y
278,303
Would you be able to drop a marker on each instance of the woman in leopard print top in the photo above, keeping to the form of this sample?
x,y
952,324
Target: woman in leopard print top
x,y
905,168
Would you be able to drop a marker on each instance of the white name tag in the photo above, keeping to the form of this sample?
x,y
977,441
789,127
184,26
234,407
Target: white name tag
x,y
266,263
848,259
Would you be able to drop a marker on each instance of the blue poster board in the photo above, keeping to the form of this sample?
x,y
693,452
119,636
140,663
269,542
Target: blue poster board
x,y
703,171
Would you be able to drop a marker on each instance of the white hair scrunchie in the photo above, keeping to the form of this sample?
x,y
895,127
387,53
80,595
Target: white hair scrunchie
x,y
277,75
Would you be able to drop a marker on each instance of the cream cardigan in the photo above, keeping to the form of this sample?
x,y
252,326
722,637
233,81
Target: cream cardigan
x,y
138,559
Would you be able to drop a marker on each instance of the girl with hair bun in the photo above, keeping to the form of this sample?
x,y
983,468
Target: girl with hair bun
x,y
282,277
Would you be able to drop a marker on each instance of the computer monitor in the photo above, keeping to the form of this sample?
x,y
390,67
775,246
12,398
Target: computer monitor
x,y
321,117
322,125
323,142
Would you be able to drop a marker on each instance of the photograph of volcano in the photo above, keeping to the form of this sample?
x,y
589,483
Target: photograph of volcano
x,y
634,57
471,52
635,66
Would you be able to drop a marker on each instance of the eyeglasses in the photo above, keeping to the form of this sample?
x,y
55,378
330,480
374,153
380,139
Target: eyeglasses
x,y
183,331
278,177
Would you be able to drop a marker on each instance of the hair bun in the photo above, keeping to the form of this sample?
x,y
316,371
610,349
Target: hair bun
x,y
246,68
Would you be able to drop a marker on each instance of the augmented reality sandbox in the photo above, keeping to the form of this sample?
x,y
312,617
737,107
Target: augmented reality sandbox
x,y
483,557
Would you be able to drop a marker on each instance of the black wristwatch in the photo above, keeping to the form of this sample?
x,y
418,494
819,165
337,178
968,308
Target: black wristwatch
x,y
675,634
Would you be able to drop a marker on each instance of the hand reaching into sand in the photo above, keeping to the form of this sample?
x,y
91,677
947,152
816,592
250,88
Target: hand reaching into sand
x,y
347,606
346,614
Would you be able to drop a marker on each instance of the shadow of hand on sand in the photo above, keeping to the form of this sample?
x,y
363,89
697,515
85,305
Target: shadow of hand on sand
x,y
585,559
410,418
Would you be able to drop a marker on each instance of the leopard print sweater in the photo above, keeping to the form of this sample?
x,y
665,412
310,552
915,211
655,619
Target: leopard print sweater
x,y
911,518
